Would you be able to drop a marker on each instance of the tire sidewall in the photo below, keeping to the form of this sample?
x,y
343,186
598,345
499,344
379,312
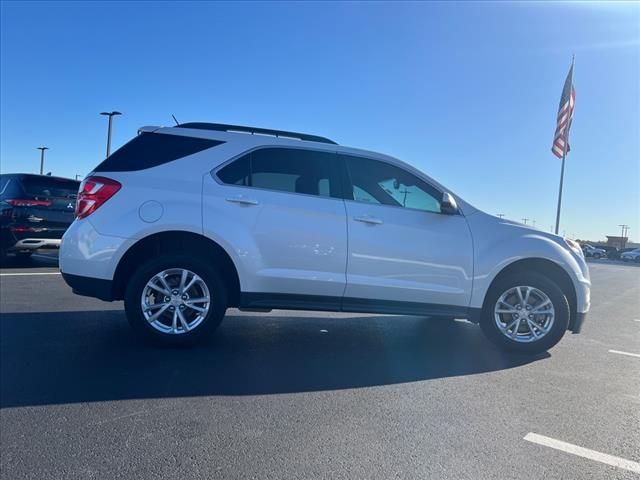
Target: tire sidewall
x,y
542,283
145,272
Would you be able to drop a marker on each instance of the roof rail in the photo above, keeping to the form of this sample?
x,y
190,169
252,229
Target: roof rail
x,y
221,127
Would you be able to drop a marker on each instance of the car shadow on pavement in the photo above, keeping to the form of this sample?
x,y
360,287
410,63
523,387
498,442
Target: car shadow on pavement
x,y
67,357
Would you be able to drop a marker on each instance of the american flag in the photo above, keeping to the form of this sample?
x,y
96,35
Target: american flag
x,y
565,115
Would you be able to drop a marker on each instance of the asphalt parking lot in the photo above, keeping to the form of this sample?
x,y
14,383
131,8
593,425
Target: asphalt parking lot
x,y
311,395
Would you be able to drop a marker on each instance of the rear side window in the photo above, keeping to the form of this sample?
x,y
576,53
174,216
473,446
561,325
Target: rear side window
x,y
237,172
286,170
50,187
152,149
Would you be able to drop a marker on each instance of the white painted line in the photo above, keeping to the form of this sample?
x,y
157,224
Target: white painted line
x,y
625,353
583,452
27,273
636,319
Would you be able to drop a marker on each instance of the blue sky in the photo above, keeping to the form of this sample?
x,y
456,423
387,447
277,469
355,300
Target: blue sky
x,y
468,92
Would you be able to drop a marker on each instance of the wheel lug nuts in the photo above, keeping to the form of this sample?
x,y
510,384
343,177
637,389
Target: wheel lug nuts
x,y
184,297
530,317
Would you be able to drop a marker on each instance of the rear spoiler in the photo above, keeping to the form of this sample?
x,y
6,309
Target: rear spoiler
x,y
148,129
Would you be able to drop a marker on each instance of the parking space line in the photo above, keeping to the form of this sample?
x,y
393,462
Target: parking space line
x,y
625,353
583,452
18,274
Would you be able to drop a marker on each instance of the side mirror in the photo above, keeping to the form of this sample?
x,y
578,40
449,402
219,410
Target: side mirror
x,y
448,204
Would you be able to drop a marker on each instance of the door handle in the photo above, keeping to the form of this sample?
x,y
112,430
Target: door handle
x,y
242,200
369,220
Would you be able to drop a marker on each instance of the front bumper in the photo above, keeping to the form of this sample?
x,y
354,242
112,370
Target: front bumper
x,y
577,322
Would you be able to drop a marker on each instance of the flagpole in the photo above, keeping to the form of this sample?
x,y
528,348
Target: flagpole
x,y
564,154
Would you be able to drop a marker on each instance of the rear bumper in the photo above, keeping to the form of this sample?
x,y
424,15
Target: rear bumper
x,y
90,287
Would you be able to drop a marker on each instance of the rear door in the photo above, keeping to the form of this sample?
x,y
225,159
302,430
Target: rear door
x,y
401,247
286,219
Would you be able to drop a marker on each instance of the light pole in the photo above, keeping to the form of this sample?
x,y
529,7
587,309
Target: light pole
x,y
625,228
42,149
525,220
110,115
499,215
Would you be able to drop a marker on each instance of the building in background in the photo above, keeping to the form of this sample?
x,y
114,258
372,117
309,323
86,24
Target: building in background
x,y
617,241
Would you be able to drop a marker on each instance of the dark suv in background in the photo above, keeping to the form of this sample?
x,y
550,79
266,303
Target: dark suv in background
x,y
35,210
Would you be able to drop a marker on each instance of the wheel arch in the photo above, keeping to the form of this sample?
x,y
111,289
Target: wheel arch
x,y
177,241
547,268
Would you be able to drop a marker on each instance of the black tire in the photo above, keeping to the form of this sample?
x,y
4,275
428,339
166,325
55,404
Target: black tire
x,y
542,283
597,256
637,260
201,332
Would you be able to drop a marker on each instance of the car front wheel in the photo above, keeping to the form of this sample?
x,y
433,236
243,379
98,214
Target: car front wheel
x,y
175,300
525,312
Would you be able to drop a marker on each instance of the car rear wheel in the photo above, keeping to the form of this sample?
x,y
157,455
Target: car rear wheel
x,y
596,256
525,312
175,300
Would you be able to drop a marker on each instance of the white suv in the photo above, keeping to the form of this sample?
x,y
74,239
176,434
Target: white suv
x,y
185,222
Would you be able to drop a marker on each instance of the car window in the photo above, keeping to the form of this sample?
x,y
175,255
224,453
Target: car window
x,y
50,187
152,149
379,182
290,170
236,173
4,183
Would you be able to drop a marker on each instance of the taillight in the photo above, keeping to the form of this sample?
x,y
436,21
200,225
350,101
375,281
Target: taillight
x,y
94,191
28,203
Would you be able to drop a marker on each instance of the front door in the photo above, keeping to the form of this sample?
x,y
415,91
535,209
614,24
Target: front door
x,y
401,247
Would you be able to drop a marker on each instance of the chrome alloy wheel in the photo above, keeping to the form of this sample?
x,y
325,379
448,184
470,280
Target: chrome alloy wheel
x,y
175,301
524,314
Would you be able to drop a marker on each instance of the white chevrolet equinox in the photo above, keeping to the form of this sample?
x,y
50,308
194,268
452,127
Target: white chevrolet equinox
x,y
185,222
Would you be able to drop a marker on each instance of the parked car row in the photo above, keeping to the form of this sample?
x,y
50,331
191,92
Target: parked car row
x,y
187,221
631,254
